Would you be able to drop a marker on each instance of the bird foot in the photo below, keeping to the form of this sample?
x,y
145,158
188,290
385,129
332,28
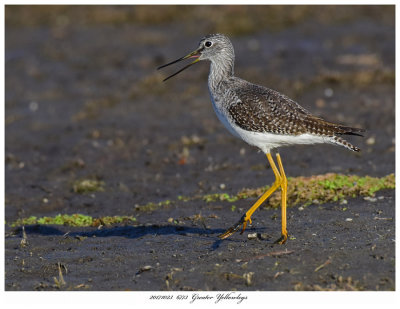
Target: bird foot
x,y
281,240
243,220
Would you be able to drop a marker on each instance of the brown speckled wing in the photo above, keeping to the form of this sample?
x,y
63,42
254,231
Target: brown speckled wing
x,y
259,109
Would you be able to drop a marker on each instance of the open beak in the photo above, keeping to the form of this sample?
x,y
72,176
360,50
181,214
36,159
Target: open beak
x,y
196,54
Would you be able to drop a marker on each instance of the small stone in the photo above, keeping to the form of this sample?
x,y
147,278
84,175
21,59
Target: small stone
x,y
343,202
370,199
380,197
252,236
370,141
349,219
242,151
301,208
263,236
146,268
170,220
196,139
222,186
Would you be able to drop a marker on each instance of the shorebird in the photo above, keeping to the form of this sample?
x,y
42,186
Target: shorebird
x,y
260,116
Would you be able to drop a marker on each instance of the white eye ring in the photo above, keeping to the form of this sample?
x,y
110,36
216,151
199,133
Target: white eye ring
x,y
208,44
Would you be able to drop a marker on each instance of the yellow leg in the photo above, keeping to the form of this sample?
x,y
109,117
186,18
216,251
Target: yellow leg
x,y
280,181
283,238
271,190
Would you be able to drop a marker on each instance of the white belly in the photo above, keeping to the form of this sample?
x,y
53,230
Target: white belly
x,y
268,141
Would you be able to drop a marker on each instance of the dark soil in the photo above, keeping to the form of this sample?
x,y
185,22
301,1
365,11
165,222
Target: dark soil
x,y
84,101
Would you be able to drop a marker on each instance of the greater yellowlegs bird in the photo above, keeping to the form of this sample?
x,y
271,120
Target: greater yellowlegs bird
x,y
260,116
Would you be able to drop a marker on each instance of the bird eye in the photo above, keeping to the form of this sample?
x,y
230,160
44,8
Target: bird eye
x,y
208,44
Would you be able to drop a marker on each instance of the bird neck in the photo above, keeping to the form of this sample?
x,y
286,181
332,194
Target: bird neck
x,y
220,70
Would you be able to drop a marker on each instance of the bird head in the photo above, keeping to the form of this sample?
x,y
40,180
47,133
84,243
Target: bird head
x,y
213,47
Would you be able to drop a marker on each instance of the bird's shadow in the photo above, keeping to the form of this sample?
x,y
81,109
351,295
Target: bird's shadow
x,y
129,231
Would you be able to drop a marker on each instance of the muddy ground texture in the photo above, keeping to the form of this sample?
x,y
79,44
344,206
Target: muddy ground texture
x,y
84,101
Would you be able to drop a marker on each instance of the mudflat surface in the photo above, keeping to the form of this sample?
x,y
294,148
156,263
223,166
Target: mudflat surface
x,y
84,101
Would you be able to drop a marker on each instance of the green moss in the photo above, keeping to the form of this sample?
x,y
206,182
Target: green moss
x,y
219,197
301,191
183,198
74,220
88,185
26,221
326,188
153,206
113,220
165,203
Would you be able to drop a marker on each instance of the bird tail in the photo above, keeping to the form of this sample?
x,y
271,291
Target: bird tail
x,y
341,141
349,131
343,130
334,131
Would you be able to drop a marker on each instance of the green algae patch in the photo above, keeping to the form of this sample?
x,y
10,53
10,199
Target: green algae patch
x,y
74,220
303,191
71,220
153,206
88,185
219,197
111,220
326,188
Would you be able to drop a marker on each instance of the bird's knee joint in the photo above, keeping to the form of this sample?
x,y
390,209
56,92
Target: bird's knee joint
x,y
279,179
